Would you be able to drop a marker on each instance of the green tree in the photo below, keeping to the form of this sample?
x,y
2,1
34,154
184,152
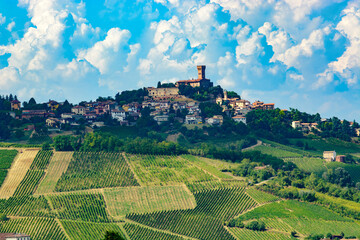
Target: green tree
x,y
112,235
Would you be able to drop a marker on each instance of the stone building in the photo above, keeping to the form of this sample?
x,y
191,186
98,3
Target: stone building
x,y
200,82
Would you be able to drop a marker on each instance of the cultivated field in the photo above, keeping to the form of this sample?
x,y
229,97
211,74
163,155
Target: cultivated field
x,y
79,230
17,172
261,197
89,170
166,170
37,228
59,163
6,159
206,220
276,151
138,232
245,234
122,201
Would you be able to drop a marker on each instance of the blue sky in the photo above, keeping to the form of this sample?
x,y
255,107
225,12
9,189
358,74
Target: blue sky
x,y
303,54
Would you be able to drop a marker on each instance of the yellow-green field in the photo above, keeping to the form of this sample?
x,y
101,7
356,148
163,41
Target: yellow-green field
x,y
57,166
122,201
17,172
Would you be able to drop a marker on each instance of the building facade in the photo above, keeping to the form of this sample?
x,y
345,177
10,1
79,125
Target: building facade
x,y
200,82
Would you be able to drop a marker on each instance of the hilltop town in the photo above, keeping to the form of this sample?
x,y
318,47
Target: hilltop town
x,y
161,101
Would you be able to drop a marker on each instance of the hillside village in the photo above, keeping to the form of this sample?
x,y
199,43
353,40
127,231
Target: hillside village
x,y
161,101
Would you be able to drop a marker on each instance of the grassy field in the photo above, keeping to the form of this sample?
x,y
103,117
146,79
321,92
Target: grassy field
x,y
166,170
122,201
37,228
79,230
59,163
17,172
96,170
6,159
277,152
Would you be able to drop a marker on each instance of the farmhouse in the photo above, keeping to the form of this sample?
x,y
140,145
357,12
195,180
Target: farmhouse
x,y
329,155
340,158
79,110
200,82
14,236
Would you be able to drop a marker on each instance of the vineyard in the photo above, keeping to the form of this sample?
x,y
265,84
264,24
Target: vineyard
x,y
37,228
78,230
17,172
165,170
137,232
86,207
207,167
96,170
261,197
26,206
206,220
196,187
122,201
59,163
245,234
81,195
6,159
277,152
310,165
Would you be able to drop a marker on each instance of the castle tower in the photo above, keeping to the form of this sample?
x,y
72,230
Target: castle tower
x,y
201,71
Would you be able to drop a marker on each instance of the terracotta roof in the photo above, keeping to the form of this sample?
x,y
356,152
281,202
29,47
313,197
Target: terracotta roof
x,y
192,80
269,104
239,116
3,236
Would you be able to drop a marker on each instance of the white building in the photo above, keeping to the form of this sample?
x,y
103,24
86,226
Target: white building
x,y
239,118
193,119
329,156
14,236
119,115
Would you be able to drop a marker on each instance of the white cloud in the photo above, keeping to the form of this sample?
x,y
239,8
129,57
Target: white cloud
x,y
9,77
107,53
347,66
2,19
10,26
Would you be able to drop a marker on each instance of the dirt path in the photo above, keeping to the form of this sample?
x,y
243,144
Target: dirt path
x,y
258,143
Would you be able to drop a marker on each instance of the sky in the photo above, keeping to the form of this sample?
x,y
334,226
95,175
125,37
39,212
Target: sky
x,y
302,54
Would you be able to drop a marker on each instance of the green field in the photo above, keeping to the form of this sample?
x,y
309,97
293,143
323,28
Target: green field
x,y
96,170
310,165
245,234
166,170
6,159
354,170
83,206
147,197
206,220
276,152
26,206
78,230
291,208
261,197
37,228
122,201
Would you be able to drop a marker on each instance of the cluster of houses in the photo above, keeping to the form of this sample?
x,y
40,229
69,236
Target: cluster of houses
x,y
308,127
161,101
